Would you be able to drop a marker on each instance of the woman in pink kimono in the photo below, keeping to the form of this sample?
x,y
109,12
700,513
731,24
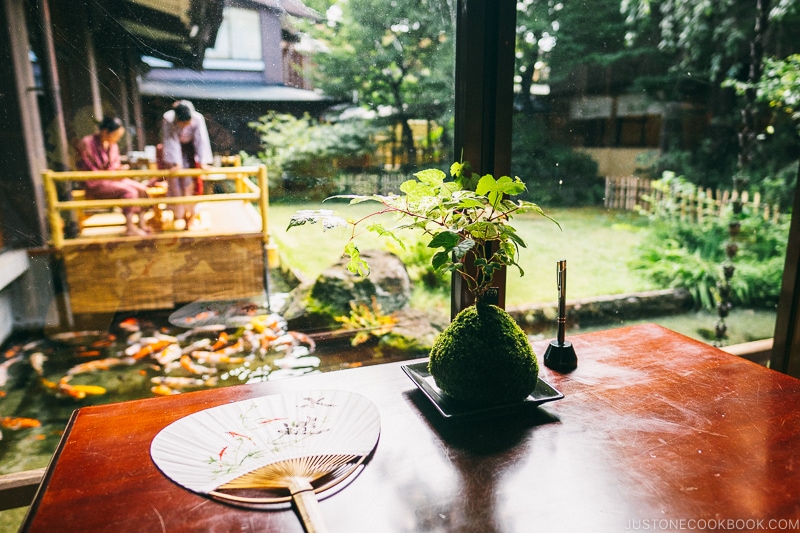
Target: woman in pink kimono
x,y
101,152
185,145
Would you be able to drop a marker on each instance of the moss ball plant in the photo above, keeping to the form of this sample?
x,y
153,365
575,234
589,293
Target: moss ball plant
x,y
484,358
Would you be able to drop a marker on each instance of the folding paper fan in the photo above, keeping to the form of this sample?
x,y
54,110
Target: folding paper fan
x,y
270,449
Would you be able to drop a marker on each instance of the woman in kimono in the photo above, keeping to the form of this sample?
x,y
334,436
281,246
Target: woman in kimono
x,y
185,145
100,151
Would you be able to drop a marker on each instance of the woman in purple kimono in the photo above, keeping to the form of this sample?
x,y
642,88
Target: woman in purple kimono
x,y
101,152
185,145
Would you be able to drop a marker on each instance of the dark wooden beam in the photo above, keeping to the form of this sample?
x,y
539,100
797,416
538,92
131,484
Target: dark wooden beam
x,y
485,41
786,349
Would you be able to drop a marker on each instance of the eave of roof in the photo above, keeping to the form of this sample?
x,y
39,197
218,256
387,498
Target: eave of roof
x,y
192,90
178,31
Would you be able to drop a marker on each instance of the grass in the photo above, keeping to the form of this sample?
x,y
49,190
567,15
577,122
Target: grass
x,y
597,244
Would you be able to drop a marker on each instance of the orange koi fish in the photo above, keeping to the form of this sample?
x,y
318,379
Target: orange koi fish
x,y
221,356
130,325
169,354
99,364
80,391
151,349
190,366
222,340
163,390
293,338
11,352
104,343
19,423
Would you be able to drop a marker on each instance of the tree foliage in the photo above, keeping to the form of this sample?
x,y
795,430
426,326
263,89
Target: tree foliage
x,y
396,56
301,150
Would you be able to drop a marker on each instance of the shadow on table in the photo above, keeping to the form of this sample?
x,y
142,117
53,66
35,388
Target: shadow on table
x,y
486,433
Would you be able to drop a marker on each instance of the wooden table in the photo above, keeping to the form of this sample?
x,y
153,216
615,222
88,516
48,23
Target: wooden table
x,y
656,431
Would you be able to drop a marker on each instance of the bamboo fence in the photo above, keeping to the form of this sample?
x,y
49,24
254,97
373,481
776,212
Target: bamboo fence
x,y
632,193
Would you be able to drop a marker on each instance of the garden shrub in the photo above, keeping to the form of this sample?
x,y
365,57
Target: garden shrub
x,y
686,254
301,153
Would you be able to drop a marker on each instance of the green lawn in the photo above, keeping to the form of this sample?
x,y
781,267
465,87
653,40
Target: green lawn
x,y
596,243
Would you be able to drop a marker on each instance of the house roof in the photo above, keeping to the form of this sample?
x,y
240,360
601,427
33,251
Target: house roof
x,y
177,31
245,92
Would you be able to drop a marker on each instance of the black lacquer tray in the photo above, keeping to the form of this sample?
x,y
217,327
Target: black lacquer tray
x,y
450,407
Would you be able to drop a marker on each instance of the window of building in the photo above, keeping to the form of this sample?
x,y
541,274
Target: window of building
x,y
238,44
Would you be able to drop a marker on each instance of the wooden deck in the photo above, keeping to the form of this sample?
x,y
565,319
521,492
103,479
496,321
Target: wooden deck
x,y
107,271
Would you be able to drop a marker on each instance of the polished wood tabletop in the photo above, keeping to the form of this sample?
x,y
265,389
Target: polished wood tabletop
x,y
655,431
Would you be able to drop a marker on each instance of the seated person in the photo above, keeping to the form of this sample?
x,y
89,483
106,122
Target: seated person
x,y
100,151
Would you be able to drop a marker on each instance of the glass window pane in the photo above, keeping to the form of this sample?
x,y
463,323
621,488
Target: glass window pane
x,y
239,35
637,163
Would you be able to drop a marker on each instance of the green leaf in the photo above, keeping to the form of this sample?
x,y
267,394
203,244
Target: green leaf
x,y
383,232
469,203
356,265
463,247
416,190
440,259
509,186
485,185
445,239
485,231
511,233
457,169
431,176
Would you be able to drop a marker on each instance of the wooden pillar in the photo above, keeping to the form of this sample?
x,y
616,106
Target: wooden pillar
x,y
136,100
786,348
485,41
54,83
26,93
94,82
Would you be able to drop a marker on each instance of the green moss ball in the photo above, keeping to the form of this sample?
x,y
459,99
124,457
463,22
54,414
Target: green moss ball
x,y
484,358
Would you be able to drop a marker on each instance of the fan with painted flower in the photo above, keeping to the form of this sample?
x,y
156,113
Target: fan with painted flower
x,y
271,449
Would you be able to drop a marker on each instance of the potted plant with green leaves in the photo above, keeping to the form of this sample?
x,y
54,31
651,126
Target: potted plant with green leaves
x,y
483,357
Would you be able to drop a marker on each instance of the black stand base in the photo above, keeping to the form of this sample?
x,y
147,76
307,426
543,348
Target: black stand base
x,y
560,357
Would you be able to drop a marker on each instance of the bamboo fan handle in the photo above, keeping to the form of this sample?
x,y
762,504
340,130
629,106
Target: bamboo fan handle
x,y
307,506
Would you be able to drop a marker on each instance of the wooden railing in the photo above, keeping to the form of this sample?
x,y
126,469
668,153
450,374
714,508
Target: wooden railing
x,y
19,488
245,189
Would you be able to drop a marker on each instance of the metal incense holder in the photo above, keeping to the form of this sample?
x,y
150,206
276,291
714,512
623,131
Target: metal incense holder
x,y
560,355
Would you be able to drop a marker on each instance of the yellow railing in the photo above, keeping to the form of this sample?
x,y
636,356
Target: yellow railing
x,y
246,190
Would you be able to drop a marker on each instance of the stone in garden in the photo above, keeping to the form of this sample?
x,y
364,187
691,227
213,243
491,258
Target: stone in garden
x,y
315,304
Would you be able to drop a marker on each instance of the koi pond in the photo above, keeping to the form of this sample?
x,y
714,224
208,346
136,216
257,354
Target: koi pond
x,y
45,377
